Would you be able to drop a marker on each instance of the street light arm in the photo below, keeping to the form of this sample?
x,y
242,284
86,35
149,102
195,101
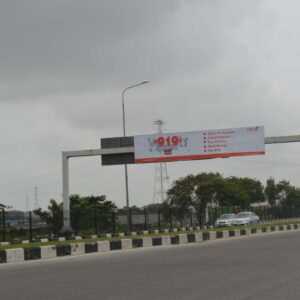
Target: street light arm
x,y
132,86
123,98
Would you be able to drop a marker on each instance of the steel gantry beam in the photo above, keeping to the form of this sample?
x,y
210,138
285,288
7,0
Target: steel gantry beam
x,y
282,139
65,176
93,152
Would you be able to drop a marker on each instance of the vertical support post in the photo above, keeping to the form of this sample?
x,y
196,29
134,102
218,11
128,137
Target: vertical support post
x,y
53,222
124,134
199,214
161,183
96,221
125,168
30,227
182,214
66,201
114,221
76,222
191,217
127,199
130,219
170,213
158,215
260,213
3,225
216,215
145,218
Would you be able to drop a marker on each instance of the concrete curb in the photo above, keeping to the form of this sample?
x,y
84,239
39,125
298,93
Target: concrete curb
x,y
81,248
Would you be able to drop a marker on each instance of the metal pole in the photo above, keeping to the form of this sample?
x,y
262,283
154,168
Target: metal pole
x,y
53,222
130,220
170,211
124,134
66,202
114,221
96,221
199,214
145,217
158,213
76,222
125,167
30,227
161,183
4,227
181,219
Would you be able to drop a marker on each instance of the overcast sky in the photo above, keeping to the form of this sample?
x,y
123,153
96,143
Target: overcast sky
x,y
211,64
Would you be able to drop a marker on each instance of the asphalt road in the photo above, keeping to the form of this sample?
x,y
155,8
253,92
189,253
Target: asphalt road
x,y
255,267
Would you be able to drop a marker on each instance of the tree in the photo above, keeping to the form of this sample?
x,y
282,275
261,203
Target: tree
x,y
192,190
53,216
180,196
212,188
86,213
271,192
182,191
253,188
209,189
242,191
89,210
288,195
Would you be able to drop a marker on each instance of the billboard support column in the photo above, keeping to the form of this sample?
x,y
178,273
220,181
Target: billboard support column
x,y
66,201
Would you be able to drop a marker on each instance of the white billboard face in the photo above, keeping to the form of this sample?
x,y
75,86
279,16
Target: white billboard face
x,y
199,144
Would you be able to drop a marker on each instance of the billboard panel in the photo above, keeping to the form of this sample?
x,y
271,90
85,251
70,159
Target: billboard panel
x,y
199,144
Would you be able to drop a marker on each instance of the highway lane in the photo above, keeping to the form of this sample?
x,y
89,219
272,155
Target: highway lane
x,y
255,267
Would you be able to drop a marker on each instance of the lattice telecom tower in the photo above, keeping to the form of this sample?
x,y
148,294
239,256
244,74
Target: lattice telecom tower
x,y
161,179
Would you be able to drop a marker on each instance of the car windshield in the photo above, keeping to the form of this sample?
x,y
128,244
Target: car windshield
x,y
243,215
226,216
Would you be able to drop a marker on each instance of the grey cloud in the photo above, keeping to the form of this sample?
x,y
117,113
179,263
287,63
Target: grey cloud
x,y
211,64
57,46
60,44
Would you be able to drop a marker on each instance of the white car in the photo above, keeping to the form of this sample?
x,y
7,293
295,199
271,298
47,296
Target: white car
x,y
225,220
246,218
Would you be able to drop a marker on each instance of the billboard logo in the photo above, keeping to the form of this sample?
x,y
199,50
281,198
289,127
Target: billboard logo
x,y
166,144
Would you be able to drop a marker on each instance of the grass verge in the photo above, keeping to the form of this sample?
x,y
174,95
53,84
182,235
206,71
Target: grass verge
x,y
67,242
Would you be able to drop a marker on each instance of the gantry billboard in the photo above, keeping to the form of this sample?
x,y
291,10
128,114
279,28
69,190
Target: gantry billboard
x,y
199,144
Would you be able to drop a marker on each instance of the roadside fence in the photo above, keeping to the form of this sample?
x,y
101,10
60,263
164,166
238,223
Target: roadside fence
x,y
148,218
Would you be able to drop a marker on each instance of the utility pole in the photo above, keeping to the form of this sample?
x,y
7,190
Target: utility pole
x,y
36,199
27,204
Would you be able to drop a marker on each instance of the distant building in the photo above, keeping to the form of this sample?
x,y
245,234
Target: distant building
x,y
260,204
17,218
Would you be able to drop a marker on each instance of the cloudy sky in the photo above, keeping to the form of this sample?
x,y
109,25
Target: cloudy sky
x,y
211,64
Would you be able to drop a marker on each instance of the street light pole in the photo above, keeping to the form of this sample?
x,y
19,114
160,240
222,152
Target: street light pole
x,y
124,134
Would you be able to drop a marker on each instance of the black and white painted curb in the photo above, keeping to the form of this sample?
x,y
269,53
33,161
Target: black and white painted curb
x,y
144,232
45,252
